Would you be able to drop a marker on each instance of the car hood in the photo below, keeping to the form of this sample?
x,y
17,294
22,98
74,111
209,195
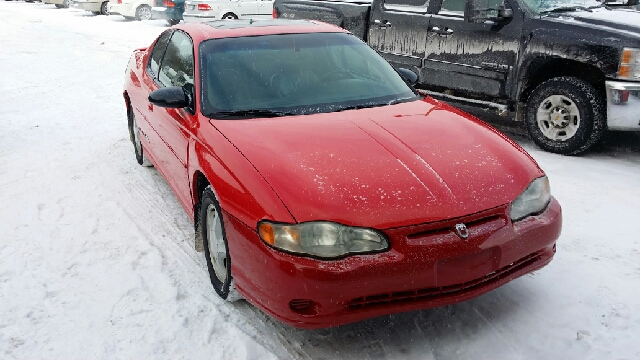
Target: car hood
x,y
384,167
618,19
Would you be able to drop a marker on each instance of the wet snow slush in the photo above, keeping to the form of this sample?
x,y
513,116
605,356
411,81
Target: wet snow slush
x,y
96,255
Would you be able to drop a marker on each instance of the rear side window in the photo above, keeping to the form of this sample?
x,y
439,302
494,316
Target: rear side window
x,y
453,6
157,53
176,68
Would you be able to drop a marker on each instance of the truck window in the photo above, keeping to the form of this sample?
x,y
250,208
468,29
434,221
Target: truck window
x,y
423,4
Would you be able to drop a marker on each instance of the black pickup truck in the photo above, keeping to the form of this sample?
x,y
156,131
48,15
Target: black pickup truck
x,y
570,69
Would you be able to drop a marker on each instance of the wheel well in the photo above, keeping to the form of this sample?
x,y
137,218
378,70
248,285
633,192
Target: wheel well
x,y
200,183
544,69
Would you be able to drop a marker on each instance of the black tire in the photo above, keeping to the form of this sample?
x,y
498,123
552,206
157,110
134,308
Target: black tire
x,y
134,136
143,12
172,22
579,122
209,204
59,6
230,16
104,8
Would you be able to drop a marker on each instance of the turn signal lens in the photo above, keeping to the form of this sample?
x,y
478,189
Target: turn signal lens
x,y
625,71
627,56
204,7
266,233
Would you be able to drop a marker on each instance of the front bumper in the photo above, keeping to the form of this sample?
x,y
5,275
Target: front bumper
x,y
425,267
124,9
623,105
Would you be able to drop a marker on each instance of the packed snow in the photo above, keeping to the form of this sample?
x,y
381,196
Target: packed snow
x,y
97,256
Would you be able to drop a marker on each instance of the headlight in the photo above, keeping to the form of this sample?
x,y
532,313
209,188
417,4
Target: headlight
x,y
629,64
533,200
322,239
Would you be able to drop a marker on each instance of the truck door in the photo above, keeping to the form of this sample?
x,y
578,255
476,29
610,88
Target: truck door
x,y
473,58
398,31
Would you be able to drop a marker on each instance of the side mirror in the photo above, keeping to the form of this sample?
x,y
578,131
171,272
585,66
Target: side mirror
x,y
478,11
169,97
409,76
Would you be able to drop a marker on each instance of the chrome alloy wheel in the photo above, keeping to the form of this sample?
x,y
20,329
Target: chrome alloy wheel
x,y
216,243
558,117
144,13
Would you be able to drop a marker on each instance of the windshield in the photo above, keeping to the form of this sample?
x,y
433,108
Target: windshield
x,y
297,74
544,6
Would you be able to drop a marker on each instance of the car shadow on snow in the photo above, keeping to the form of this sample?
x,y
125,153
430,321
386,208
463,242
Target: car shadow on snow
x,y
454,331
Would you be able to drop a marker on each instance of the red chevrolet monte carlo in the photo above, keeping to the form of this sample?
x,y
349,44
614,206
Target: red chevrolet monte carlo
x,y
323,188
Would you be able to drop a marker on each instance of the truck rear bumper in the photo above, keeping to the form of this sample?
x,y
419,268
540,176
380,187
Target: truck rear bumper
x,y
623,105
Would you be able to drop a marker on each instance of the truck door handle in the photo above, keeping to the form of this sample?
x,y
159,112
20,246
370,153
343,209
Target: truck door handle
x,y
439,31
382,23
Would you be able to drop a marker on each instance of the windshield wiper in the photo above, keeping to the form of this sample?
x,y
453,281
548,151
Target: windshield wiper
x,y
248,112
365,106
569,8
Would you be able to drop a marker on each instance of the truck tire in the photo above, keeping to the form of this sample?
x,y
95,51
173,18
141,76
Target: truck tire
x,y
172,22
565,115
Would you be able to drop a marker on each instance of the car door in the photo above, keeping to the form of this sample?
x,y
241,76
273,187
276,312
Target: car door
x,y
141,106
174,126
474,58
265,9
398,31
246,8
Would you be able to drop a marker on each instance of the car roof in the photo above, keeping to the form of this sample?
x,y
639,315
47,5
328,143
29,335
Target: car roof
x,y
248,27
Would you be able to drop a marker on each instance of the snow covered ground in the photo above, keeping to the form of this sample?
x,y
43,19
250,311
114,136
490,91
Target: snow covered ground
x,y
96,256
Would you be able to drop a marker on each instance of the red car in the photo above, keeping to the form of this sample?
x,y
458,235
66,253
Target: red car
x,y
324,189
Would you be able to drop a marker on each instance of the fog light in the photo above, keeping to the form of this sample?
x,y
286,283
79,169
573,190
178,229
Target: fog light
x,y
619,96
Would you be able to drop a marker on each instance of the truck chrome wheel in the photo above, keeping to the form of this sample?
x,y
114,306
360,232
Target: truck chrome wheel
x,y
558,117
216,243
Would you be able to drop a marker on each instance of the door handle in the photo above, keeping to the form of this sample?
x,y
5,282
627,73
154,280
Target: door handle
x,y
382,23
445,32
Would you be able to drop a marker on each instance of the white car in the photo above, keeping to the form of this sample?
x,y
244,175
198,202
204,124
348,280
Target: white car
x,y
131,9
60,4
95,6
199,10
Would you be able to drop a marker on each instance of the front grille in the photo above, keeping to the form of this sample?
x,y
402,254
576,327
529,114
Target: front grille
x,y
478,226
435,293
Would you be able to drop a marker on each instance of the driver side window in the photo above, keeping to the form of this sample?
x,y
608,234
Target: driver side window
x,y
157,53
176,68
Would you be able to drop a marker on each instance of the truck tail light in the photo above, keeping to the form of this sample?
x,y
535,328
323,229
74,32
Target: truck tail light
x,y
274,13
119,2
204,7
169,3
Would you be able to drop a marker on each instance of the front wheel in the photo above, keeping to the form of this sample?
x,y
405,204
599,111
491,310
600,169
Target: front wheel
x,y
216,248
143,12
565,115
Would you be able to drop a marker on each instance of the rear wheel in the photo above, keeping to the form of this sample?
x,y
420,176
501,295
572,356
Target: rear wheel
x,y
104,8
565,115
143,12
172,22
134,135
230,16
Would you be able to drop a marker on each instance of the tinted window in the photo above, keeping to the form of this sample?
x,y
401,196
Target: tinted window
x,y
296,73
453,5
418,3
177,63
158,51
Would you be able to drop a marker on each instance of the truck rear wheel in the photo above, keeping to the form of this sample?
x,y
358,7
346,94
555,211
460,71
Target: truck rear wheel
x,y
565,115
